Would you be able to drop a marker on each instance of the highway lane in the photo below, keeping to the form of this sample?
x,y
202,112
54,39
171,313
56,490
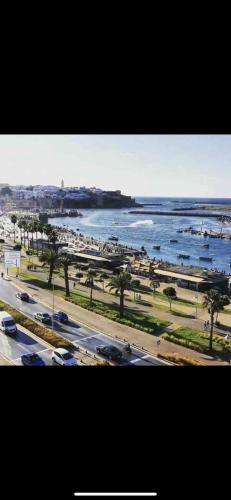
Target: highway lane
x,y
80,335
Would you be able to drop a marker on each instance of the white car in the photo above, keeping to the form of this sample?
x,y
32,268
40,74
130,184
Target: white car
x,y
63,357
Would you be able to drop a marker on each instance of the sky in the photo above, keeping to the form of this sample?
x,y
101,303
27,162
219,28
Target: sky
x,y
138,165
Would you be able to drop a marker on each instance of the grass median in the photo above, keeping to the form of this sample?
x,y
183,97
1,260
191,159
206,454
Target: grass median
x,y
199,341
132,318
40,331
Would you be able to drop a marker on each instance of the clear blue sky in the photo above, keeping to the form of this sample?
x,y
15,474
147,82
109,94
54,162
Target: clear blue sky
x,y
149,165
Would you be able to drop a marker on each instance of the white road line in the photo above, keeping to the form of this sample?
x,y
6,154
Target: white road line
x,y
139,359
112,494
91,337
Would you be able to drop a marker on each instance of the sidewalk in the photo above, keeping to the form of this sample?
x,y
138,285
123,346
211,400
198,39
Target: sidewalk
x,y
116,330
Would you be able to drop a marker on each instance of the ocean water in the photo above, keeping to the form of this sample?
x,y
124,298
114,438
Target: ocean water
x,y
147,230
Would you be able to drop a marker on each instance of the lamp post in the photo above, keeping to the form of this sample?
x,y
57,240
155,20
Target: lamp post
x,y
53,303
196,297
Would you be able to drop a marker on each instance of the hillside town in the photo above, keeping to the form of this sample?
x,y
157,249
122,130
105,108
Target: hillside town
x,y
56,197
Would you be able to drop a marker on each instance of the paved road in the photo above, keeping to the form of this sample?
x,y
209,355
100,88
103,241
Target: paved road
x,y
78,334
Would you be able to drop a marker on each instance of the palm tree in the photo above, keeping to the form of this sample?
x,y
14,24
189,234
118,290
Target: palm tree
x,y
135,284
103,277
53,238
120,283
65,261
154,284
90,282
24,223
20,226
14,220
41,228
31,230
51,258
170,293
225,301
36,229
214,302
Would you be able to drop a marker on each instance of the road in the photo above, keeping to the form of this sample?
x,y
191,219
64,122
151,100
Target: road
x,y
79,335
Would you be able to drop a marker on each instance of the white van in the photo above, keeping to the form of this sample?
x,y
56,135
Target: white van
x,y
7,323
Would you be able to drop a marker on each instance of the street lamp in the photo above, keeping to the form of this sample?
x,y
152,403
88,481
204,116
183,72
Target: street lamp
x,y
196,297
53,303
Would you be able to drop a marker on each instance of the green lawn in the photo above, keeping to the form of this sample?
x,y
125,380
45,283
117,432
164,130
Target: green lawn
x,y
132,318
189,337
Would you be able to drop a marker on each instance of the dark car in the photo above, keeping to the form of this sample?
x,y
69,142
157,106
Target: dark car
x,y
109,351
32,360
61,316
43,317
23,296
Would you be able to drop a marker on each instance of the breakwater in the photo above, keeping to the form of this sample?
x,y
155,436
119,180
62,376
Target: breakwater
x,y
179,214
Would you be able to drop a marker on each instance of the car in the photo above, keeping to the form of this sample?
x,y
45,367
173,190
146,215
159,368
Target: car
x,y
63,357
43,317
23,296
109,351
61,316
32,359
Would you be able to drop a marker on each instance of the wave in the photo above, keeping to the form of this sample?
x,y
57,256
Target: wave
x,y
146,222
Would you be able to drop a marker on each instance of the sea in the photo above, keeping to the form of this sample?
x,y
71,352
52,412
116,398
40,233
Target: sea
x,y
148,230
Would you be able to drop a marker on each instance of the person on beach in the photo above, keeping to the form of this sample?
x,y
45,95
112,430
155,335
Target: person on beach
x,y
208,324
205,325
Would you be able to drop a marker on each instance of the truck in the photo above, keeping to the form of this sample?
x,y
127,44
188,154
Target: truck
x,y
7,323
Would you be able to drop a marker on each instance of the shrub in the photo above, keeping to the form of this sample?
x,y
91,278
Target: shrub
x,y
40,331
180,360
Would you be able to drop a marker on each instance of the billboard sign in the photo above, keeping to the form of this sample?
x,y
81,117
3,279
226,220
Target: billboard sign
x,y
12,258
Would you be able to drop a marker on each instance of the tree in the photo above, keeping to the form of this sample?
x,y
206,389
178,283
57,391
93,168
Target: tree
x,y
170,293
41,228
120,283
90,282
53,238
14,220
20,226
224,301
103,277
24,225
65,261
30,229
154,284
36,229
134,285
51,258
6,191
214,301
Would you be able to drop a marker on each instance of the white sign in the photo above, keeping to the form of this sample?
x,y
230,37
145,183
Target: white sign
x,y
12,258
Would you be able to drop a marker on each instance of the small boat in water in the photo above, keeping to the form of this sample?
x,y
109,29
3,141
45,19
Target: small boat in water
x,y
173,241
156,247
179,230
113,238
183,256
206,245
209,259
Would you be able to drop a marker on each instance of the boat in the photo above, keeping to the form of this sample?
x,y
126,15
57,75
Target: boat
x,y
113,238
183,256
209,259
173,241
156,247
179,230
206,245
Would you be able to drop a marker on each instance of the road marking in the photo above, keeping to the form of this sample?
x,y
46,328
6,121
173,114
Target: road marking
x,y
139,359
91,337
112,494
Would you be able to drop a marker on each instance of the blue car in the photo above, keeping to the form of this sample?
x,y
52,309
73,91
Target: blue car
x,y
32,360
61,316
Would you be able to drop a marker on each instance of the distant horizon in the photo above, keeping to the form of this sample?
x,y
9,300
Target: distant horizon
x,y
132,195
180,165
